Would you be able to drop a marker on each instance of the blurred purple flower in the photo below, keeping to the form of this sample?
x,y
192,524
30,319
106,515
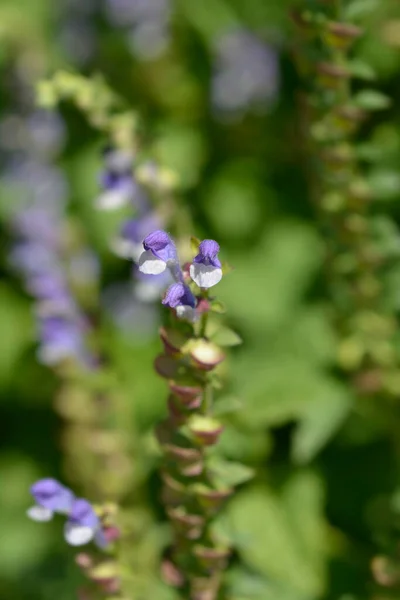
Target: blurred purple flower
x,y
129,242
62,338
149,39
46,132
38,225
128,12
150,288
47,285
148,21
119,185
246,74
36,183
31,258
83,524
136,317
50,497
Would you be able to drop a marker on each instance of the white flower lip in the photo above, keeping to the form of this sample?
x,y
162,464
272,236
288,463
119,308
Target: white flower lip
x,y
39,513
126,249
112,200
147,291
186,312
150,264
205,276
51,354
78,535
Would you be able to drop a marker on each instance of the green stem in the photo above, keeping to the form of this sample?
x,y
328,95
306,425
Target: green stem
x,y
207,398
204,318
203,325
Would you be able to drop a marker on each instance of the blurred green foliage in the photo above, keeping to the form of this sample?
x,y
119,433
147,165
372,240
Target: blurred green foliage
x,y
321,503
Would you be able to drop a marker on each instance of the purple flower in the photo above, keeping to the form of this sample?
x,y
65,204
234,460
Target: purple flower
x,y
119,190
83,525
50,497
32,258
38,183
246,73
61,338
208,253
118,161
206,268
129,243
48,285
134,315
180,297
119,185
179,294
159,253
38,224
46,132
117,180
148,23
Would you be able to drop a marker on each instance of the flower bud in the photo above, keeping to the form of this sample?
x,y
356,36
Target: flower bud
x,y
166,366
189,525
212,559
189,396
174,493
341,35
209,498
206,355
204,430
331,75
173,340
170,573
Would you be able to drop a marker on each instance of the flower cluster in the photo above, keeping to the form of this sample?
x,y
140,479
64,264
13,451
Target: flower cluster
x,y
82,525
37,255
192,491
31,143
246,74
121,188
160,255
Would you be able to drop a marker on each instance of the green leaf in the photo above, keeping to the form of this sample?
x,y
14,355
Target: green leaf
x,y
228,473
218,307
226,337
246,585
385,183
371,100
46,94
361,70
227,405
359,9
248,445
16,331
273,275
194,244
321,420
282,536
226,267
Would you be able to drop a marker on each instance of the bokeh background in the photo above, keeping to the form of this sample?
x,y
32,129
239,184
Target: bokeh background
x,y
216,85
